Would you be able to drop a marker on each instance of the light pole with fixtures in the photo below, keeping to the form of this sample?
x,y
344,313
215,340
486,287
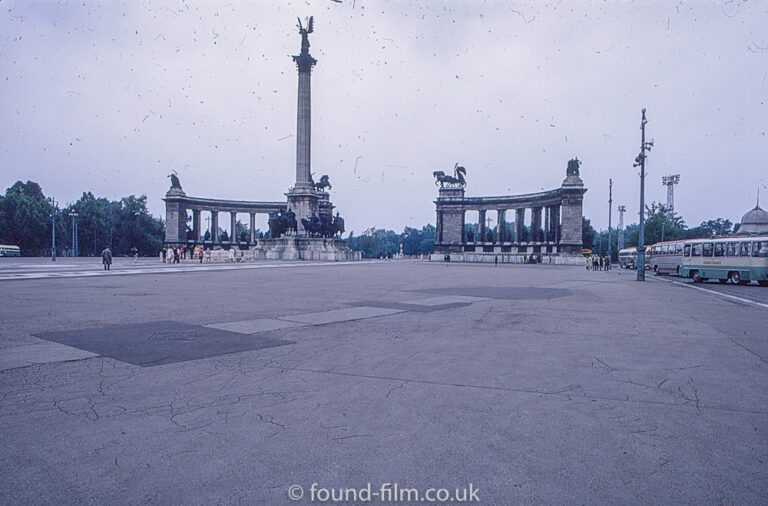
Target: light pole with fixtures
x,y
640,162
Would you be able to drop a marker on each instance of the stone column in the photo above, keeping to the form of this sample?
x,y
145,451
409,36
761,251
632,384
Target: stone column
x,y
196,224
481,225
547,213
557,223
519,219
439,227
233,227
252,222
304,62
215,226
501,225
175,216
536,224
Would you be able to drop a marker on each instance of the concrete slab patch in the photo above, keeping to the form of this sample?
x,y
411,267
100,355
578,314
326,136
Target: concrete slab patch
x,y
341,315
445,299
22,356
157,343
502,292
255,326
417,308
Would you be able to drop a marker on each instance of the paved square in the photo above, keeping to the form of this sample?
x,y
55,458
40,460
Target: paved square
x,y
537,384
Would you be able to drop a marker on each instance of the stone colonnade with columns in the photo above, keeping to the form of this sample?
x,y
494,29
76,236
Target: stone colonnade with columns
x,y
177,203
554,227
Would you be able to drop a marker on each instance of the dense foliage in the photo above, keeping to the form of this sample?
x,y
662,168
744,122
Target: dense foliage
x,y
26,220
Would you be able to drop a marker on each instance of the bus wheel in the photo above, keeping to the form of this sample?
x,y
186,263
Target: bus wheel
x,y
735,277
696,277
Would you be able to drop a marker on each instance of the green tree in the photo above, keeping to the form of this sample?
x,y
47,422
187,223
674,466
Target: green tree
x,y
588,234
25,218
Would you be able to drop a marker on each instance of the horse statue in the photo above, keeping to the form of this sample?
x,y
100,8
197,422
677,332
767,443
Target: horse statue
x,y
312,225
455,181
338,224
323,184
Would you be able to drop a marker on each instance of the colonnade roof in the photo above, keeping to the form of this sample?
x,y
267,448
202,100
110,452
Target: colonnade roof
x,y
223,205
524,200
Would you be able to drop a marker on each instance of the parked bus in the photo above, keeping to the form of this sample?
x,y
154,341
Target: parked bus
x,y
666,257
739,260
9,251
628,258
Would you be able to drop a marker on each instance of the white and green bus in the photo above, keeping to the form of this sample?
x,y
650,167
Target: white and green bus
x,y
739,260
9,251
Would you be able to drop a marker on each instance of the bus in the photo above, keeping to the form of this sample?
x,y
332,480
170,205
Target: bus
x,y
738,260
666,257
9,251
628,258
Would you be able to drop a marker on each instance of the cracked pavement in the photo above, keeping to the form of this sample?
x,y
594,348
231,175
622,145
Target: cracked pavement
x,y
535,383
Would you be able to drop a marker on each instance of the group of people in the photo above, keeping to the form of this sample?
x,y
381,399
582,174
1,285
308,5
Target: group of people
x,y
598,263
174,254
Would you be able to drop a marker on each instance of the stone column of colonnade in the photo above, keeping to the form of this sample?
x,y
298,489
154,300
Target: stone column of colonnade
x,y
519,224
501,226
252,223
233,226
535,224
214,226
481,225
196,224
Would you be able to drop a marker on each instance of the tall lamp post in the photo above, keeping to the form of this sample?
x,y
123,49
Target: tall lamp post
x,y
640,162
610,204
74,234
53,228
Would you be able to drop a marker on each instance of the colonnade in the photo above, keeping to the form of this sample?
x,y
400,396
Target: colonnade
x,y
544,225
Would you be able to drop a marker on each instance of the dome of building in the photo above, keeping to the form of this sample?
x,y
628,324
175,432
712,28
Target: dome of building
x,y
754,222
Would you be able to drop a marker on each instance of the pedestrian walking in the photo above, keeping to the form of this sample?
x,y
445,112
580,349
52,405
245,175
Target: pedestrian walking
x,y
200,254
163,252
134,253
106,258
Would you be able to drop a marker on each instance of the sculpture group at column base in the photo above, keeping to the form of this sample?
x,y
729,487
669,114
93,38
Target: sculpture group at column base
x,y
299,247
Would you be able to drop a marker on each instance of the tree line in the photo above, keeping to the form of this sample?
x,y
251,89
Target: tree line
x,y
27,219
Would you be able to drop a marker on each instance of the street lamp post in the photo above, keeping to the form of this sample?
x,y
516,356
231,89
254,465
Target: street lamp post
x,y
74,233
640,162
610,204
53,229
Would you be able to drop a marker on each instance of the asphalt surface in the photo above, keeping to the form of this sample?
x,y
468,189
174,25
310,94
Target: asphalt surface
x,y
532,384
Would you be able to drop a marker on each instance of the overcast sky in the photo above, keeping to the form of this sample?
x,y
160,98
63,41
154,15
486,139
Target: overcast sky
x,y
112,96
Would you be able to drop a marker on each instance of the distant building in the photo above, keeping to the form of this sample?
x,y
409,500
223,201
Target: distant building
x,y
754,222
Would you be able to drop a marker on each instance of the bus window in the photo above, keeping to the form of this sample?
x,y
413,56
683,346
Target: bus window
x,y
665,249
678,248
732,249
687,250
657,250
706,249
744,249
719,249
760,249
697,250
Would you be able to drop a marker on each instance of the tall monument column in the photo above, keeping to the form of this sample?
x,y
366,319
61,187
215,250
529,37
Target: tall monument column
x,y
303,198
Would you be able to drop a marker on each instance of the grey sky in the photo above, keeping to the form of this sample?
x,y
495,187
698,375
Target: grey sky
x,y
109,97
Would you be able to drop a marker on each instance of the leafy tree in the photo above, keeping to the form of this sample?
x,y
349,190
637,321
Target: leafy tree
x,y
25,218
718,226
588,234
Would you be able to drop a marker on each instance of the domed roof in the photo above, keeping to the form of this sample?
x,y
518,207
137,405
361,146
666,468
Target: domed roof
x,y
754,222
756,216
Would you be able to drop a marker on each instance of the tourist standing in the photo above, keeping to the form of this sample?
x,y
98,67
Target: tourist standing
x,y
106,258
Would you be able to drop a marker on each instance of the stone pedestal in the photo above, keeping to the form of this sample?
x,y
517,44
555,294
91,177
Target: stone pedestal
x,y
304,203
175,216
571,208
304,248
